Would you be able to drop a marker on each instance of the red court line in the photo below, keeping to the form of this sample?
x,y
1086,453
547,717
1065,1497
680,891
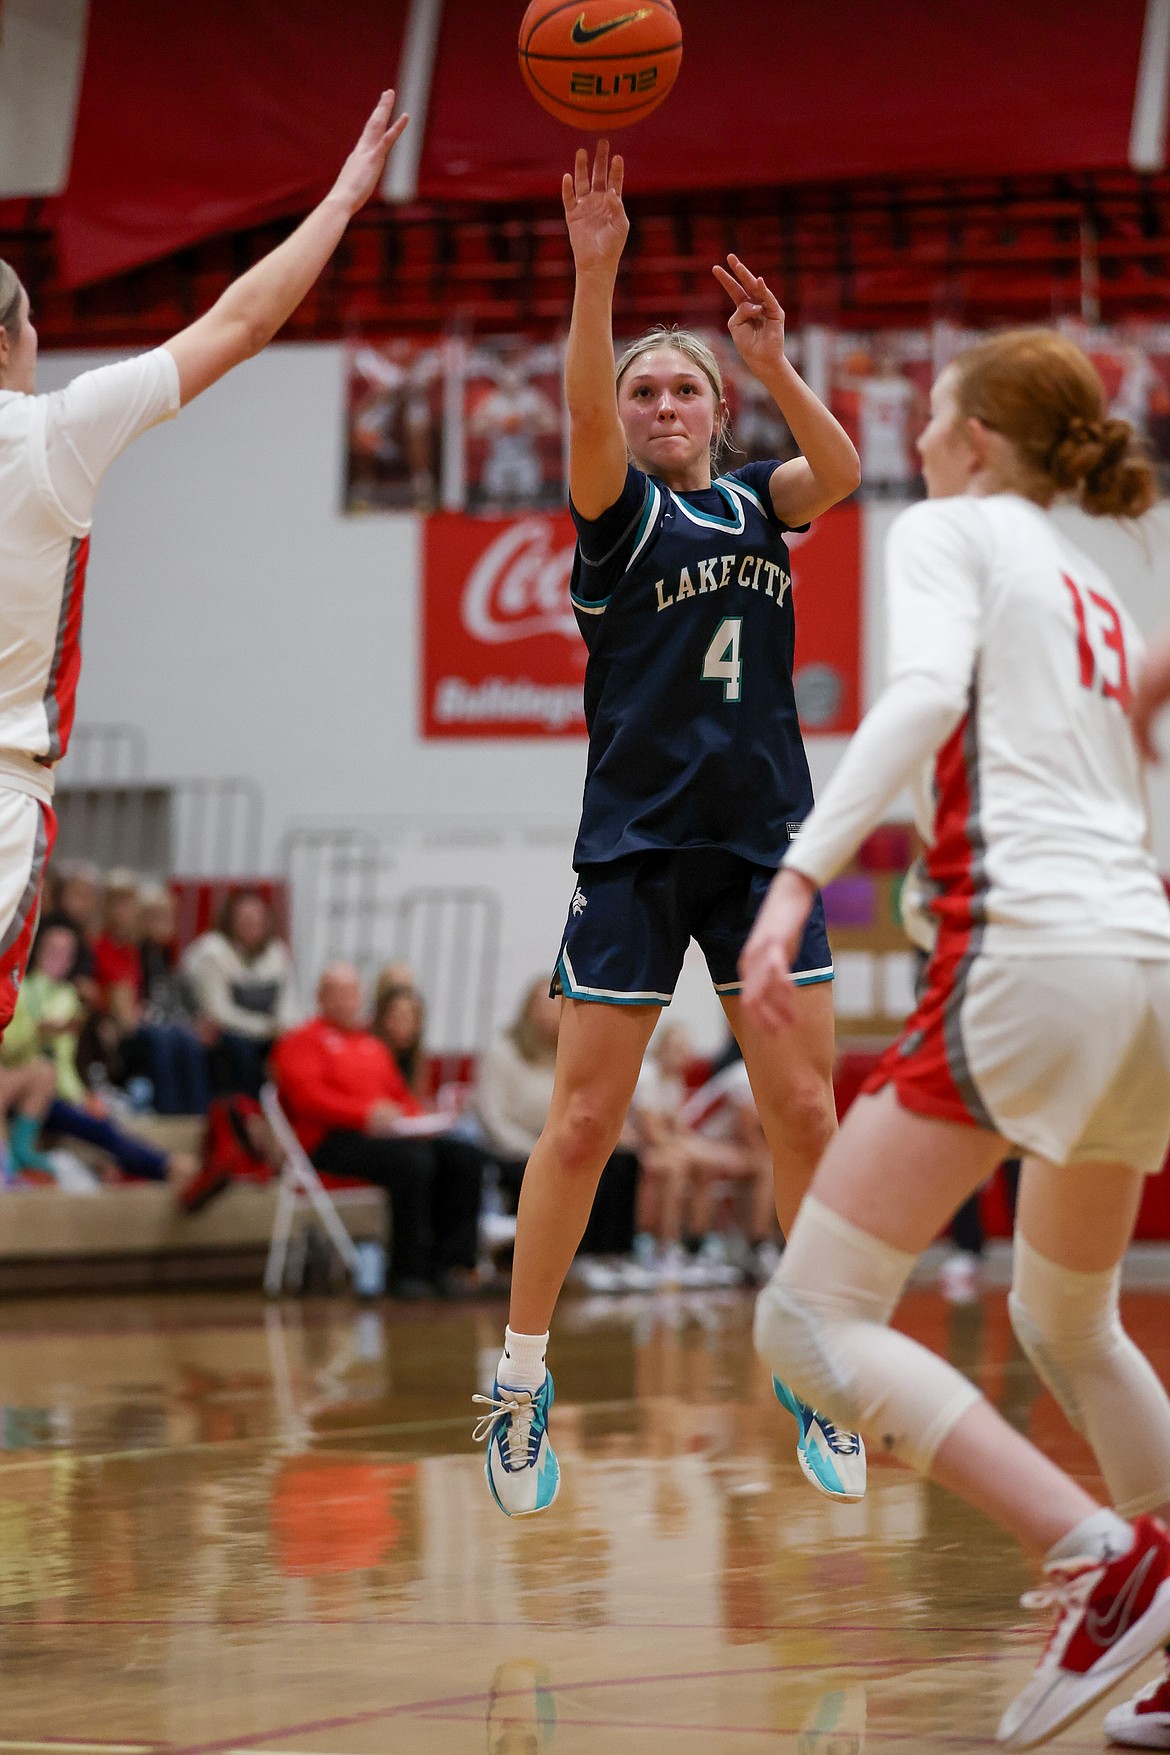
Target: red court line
x,y
970,1740
420,1708
969,1628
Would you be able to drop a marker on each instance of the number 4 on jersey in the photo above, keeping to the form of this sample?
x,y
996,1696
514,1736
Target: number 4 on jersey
x,y
722,662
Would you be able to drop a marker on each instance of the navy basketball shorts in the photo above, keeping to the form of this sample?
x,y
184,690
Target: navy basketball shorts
x,y
631,919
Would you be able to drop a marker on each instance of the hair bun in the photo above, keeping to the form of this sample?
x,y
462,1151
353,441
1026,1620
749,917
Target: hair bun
x,y
1080,451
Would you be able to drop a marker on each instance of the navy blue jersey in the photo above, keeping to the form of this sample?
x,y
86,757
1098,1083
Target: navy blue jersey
x,y
685,604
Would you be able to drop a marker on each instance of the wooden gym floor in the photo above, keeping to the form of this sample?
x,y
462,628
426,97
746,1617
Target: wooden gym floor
x,y
225,1527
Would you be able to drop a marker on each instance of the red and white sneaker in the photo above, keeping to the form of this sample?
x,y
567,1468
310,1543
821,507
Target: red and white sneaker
x,y
1110,1617
1144,1721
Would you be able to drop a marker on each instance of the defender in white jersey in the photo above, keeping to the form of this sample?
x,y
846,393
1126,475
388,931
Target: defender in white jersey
x,y
1045,1027
54,451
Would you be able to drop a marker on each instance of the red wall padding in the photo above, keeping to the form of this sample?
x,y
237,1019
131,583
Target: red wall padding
x,y
784,93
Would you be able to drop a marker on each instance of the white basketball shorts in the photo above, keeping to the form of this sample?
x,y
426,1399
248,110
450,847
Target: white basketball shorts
x,y
1067,1057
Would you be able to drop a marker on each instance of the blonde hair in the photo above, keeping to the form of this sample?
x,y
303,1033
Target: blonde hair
x,y
1038,389
10,291
700,353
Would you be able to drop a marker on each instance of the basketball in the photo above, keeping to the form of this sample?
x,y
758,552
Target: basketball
x,y
600,64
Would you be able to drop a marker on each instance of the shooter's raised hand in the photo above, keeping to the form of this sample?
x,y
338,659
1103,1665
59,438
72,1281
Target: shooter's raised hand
x,y
757,323
597,222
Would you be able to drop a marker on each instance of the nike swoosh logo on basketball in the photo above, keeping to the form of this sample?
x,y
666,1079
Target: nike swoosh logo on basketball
x,y
582,33
1107,1629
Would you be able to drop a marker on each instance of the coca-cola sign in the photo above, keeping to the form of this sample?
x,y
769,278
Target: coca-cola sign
x,y
502,656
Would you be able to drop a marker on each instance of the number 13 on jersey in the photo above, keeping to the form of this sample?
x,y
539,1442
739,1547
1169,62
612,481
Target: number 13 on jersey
x,y
722,661
1098,617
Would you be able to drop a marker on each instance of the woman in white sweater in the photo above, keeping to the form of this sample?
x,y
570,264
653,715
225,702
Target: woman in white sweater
x,y
515,1083
241,979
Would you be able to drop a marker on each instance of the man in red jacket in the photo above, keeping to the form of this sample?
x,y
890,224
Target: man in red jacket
x,y
344,1095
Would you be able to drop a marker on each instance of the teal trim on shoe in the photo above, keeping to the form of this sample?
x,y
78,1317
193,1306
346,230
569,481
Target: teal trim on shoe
x,y
793,1403
819,1465
548,1477
817,1440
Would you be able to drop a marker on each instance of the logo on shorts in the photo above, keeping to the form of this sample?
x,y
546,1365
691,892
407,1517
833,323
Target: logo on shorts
x,y
580,902
793,830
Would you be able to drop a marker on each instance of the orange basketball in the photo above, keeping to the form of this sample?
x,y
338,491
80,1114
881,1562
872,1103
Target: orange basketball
x,y
600,64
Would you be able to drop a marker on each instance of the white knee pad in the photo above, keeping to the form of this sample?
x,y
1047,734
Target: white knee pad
x,y
821,1325
1069,1325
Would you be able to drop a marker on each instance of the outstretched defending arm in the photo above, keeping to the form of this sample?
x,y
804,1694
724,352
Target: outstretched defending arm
x,y
598,229
244,319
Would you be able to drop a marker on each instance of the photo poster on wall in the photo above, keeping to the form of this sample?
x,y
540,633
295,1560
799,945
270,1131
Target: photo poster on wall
x,y
478,424
395,425
513,425
502,655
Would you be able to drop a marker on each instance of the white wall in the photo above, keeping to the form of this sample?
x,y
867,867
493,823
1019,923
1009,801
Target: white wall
x,y
250,628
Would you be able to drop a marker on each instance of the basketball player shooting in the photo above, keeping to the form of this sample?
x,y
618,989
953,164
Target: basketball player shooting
x,y
697,780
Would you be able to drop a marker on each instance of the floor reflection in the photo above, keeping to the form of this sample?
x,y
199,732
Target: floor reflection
x,y
227,1526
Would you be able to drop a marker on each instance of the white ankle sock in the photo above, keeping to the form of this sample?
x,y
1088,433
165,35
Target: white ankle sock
x,y
1103,1536
521,1363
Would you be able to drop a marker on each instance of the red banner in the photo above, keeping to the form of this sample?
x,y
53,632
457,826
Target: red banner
x,y
502,655
826,583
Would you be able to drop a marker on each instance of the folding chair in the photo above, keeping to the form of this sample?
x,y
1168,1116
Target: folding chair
x,y
300,1188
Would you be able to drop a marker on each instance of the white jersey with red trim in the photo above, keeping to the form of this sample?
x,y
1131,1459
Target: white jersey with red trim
x,y
1011,659
54,451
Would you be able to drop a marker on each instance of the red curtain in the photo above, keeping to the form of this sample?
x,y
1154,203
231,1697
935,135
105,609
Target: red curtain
x,y
196,120
772,93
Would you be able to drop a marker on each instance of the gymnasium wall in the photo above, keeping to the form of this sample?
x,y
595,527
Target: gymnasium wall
x,y
250,628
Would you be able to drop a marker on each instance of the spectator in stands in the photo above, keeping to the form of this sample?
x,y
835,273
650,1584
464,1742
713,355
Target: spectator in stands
x,y
515,1084
686,1162
511,1100
146,1041
80,896
392,975
43,1035
114,996
242,981
728,1153
117,963
349,1104
399,1019
167,1047
26,1091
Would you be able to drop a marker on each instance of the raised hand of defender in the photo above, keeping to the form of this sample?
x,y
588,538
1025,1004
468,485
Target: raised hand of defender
x,y
757,323
362,171
598,227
